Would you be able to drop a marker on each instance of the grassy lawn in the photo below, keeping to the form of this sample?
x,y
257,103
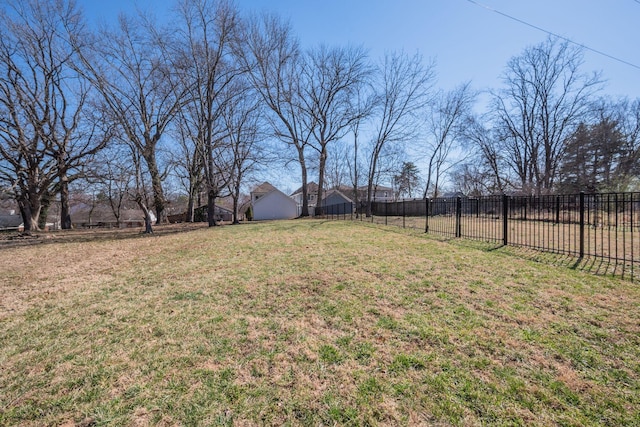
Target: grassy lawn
x,y
310,323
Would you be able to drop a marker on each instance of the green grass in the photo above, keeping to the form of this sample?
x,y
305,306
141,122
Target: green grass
x,y
310,323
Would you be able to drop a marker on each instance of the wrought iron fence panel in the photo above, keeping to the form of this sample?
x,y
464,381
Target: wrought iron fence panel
x,y
599,226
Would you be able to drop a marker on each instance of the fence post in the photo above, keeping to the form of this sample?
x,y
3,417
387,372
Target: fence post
x,y
581,224
505,221
557,209
404,214
616,207
426,210
386,213
458,217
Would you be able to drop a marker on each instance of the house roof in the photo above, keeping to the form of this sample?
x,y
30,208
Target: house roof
x,y
452,194
375,188
312,187
271,194
344,188
263,188
335,191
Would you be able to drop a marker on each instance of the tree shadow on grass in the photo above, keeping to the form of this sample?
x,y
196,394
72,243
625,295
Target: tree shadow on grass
x,y
593,265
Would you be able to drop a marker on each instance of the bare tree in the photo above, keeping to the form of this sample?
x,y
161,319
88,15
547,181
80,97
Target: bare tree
x,y
362,104
272,58
471,179
243,119
75,139
209,69
544,99
405,84
139,193
446,127
487,159
187,161
115,179
337,166
45,139
331,77
131,68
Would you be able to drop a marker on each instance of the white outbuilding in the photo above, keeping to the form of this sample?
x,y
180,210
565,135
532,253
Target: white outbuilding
x,y
267,202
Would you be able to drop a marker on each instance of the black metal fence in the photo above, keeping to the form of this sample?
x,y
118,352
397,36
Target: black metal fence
x,y
603,227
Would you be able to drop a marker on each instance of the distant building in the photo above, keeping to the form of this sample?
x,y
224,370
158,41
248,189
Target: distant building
x,y
312,197
10,221
267,202
101,216
221,214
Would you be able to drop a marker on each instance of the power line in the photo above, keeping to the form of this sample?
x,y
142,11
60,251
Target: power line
x,y
599,52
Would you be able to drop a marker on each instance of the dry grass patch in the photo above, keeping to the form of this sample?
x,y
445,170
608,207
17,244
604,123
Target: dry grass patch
x,y
310,323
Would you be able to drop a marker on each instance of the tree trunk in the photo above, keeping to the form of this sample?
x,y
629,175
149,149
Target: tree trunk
x,y
236,198
211,207
156,186
148,229
303,169
190,208
193,190
355,173
369,191
45,203
65,216
25,212
323,162
371,177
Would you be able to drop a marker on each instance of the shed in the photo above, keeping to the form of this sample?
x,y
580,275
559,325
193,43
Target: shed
x,y
273,204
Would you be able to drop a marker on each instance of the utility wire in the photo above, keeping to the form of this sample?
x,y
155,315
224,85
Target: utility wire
x,y
599,52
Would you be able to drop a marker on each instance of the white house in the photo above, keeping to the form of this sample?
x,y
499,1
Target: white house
x,y
312,194
267,202
380,193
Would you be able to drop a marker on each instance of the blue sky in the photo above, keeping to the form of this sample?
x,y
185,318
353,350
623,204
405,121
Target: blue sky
x,y
468,42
